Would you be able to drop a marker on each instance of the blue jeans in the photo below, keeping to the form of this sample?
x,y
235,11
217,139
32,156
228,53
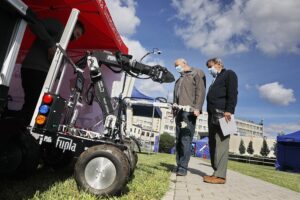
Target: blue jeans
x,y
185,129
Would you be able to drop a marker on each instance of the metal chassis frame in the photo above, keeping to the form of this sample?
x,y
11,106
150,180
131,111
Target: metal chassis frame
x,y
48,87
56,63
14,46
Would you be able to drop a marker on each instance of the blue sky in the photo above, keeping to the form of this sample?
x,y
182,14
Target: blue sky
x,y
260,41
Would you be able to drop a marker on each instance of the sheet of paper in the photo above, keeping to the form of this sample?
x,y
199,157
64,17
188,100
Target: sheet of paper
x,y
228,127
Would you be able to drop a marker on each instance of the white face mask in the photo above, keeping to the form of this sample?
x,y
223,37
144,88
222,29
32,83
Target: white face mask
x,y
179,68
213,71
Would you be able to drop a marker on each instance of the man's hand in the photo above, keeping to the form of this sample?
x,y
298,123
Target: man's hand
x,y
196,113
175,111
227,116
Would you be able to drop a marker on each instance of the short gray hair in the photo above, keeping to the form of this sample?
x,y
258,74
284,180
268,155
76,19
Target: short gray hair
x,y
182,60
215,60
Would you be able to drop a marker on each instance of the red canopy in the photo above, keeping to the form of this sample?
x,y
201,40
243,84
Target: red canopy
x,y
100,31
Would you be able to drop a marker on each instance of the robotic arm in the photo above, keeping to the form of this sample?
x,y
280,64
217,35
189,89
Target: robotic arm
x,y
119,63
122,63
157,73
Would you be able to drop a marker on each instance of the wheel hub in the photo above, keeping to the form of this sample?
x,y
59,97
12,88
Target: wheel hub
x,y
100,173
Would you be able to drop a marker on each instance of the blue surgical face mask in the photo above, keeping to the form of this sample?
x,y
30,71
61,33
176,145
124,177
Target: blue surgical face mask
x,y
213,71
179,68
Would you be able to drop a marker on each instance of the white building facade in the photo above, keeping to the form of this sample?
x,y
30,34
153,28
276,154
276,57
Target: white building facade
x,y
147,128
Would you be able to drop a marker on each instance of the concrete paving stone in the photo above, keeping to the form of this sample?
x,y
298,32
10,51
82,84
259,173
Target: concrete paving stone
x,y
168,197
180,179
181,187
195,198
237,187
181,198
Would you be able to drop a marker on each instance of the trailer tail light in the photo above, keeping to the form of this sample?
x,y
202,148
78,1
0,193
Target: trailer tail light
x,y
47,98
49,113
44,109
40,119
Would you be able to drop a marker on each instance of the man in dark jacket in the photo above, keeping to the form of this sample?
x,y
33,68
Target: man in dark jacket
x,y
221,102
38,59
189,90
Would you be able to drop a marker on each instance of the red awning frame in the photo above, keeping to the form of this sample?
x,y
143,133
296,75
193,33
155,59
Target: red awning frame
x,y
100,31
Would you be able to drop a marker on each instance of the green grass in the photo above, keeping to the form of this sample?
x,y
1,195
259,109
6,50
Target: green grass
x,y
269,174
151,181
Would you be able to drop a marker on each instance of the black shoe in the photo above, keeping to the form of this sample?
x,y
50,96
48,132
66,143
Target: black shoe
x,y
181,172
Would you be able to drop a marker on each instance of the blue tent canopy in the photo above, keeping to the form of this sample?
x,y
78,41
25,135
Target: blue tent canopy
x,y
146,111
139,95
288,150
202,148
292,137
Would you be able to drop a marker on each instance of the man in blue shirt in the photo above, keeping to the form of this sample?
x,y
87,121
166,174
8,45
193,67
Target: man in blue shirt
x,y
221,102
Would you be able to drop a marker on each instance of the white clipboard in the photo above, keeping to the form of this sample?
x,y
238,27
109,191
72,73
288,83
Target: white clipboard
x,y
228,127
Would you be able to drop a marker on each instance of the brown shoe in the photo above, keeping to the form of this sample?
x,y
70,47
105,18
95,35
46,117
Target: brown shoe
x,y
205,178
215,180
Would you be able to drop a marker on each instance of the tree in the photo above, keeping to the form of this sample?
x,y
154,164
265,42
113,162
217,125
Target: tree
x,y
281,133
275,149
166,142
264,151
242,147
250,149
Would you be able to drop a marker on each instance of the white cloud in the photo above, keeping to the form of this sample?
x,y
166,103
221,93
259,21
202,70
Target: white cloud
x,y
149,87
248,86
123,13
277,94
154,89
135,48
217,29
274,129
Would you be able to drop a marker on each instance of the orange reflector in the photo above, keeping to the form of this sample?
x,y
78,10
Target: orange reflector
x,y
40,119
47,98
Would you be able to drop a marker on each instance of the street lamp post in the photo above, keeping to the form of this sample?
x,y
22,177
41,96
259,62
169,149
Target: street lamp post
x,y
158,52
154,51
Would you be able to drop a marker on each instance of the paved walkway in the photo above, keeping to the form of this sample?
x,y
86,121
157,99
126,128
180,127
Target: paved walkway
x,y
237,187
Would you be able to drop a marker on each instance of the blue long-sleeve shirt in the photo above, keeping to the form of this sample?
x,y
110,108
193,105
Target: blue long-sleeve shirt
x,y
223,92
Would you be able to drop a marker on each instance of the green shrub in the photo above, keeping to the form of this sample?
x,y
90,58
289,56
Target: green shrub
x,y
250,149
166,142
264,151
242,148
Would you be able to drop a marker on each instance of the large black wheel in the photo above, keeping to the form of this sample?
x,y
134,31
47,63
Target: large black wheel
x,y
30,154
56,158
131,158
136,144
10,158
131,155
102,170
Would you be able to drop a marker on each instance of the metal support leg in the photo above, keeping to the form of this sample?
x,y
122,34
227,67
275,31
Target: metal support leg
x,y
57,60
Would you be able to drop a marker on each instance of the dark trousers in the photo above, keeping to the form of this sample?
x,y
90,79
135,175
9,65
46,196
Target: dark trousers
x,y
32,83
218,149
185,129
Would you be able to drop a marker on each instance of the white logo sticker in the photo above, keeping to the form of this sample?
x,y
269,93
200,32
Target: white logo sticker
x,y
65,144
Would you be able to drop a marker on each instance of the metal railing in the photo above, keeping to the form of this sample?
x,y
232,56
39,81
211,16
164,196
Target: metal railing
x,y
253,160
